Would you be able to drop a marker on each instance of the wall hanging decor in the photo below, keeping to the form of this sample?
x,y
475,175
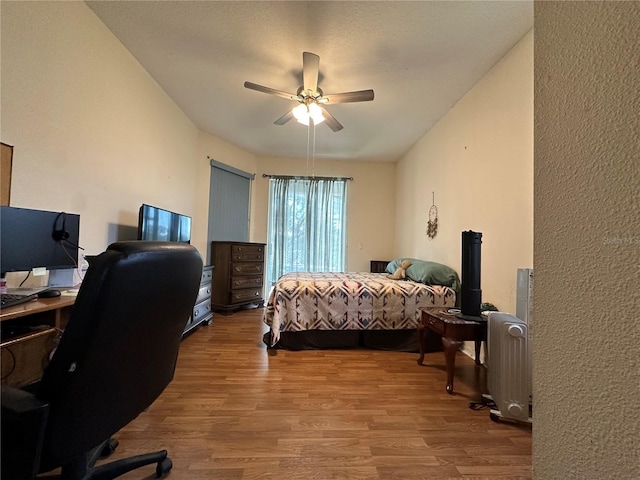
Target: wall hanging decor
x,y
432,225
5,174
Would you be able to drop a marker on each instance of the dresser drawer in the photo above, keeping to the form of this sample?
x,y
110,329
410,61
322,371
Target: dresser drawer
x,y
248,295
204,293
246,282
247,253
207,275
247,268
201,310
433,323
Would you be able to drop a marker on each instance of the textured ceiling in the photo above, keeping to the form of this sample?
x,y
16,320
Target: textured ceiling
x,y
419,57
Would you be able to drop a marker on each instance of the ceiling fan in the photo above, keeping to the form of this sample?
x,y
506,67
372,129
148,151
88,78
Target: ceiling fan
x,y
311,97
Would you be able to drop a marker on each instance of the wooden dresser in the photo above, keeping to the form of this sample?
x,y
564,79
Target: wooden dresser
x,y
238,276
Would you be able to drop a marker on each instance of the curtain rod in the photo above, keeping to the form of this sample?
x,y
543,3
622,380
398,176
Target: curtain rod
x,y
307,177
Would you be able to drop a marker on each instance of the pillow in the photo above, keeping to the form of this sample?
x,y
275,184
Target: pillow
x,y
429,273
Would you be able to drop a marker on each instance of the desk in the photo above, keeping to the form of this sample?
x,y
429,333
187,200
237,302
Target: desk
x,y
26,354
454,332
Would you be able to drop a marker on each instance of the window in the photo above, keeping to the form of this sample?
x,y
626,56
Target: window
x,y
307,225
229,197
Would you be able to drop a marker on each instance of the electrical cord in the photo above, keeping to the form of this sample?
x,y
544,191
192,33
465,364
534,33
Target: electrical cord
x,y
25,278
13,363
72,244
484,403
74,260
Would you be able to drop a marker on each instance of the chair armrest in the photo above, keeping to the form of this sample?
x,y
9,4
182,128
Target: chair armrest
x,y
24,419
18,401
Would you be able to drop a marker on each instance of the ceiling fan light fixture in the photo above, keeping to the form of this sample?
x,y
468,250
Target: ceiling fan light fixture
x,y
315,112
303,112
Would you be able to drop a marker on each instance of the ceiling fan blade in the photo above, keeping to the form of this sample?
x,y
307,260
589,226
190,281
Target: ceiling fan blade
x,y
310,68
271,91
331,121
359,96
284,118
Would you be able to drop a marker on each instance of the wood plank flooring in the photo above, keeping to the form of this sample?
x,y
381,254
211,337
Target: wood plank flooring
x,y
235,411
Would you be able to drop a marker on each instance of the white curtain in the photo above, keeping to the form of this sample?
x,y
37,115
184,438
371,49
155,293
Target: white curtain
x,y
307,225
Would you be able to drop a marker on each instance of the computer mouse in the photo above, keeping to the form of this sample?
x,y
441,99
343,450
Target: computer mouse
x,y
49,294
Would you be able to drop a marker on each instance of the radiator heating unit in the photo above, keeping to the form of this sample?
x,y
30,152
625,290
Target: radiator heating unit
x,y
508,368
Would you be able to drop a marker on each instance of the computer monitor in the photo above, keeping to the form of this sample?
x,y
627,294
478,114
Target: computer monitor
x,y
37,238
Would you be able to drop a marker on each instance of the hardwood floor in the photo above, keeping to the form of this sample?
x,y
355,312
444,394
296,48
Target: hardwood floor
x,y
235,411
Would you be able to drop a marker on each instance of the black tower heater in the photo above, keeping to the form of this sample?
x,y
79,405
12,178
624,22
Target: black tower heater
x,y
471,292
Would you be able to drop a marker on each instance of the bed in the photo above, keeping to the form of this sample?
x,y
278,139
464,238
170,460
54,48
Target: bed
x,y
347,310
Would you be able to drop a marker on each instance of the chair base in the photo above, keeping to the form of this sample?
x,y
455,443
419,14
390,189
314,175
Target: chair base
x,y
85,469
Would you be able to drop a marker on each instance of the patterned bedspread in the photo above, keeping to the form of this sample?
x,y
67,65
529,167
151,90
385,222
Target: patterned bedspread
x,y
349,301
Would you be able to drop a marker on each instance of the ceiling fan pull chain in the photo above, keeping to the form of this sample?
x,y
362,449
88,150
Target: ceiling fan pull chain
x,y
308,143
313,152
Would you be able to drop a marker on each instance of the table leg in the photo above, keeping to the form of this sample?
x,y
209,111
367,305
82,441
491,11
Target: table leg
x,y
478,345
420,331
450,349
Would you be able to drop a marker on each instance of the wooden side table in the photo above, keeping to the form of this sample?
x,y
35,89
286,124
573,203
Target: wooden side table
x,y
454,331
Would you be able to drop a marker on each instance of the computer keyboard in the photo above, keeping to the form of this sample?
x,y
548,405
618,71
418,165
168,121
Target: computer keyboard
x,y
11,299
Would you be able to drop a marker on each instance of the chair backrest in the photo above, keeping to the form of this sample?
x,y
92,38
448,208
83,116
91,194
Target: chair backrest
x,y
119,349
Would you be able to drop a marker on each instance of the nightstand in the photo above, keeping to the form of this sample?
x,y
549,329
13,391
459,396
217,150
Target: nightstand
x,y
378,266
454,332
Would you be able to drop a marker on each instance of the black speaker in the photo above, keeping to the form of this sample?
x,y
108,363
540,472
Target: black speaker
x,y
471,292
60,234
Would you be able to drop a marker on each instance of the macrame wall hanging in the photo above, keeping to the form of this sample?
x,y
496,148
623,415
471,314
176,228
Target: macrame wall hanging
x,y
432,225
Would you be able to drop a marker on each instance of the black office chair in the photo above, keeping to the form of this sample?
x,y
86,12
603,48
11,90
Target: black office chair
x,y
116,356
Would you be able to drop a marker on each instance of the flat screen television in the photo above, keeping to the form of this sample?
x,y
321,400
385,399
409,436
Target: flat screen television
x,y
163,225
38,238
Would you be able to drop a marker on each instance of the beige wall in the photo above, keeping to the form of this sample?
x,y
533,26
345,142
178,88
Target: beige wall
x,y
370,203
478,160
587,241
93,134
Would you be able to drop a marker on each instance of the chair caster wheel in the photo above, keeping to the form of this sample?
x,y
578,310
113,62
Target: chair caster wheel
x,y
494,417
163,467
109,447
